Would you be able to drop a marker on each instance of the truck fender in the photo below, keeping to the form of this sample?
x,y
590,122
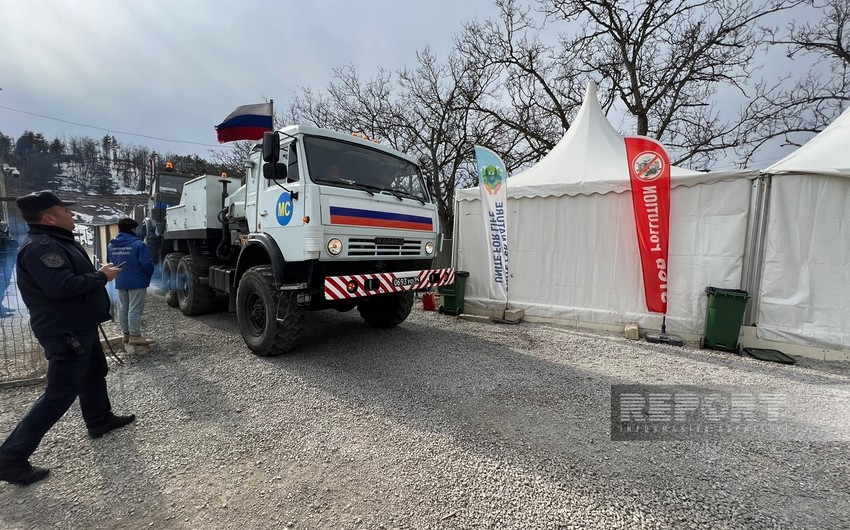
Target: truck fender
x,y
260,249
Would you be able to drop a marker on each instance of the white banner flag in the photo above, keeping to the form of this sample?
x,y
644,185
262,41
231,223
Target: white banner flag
x,y
493,183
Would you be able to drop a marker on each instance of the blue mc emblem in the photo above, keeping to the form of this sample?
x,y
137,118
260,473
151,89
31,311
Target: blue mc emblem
x,y
284,208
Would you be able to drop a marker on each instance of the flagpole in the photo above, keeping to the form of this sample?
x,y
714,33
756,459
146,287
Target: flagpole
x,y
271,102
507,273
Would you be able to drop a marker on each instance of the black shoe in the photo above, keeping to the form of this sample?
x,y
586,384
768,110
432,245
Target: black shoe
x,y
22,474
114,422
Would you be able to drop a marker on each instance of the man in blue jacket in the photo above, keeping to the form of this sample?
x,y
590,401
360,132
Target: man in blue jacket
x,y
129,252
67,300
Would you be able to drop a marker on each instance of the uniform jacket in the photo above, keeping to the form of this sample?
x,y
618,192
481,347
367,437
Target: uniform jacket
x,y
59,284
129,249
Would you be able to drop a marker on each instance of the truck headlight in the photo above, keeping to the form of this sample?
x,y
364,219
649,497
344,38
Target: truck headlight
x,y
335,246
429,248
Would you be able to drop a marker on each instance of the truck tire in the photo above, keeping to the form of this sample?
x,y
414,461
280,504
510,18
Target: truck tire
x,y
169,278
386,310
270,321
192,297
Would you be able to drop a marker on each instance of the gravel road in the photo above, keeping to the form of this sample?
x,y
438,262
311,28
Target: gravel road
x,y
439,423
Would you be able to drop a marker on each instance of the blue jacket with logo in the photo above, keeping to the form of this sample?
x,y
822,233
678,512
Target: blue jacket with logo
x,y
59,284
129,249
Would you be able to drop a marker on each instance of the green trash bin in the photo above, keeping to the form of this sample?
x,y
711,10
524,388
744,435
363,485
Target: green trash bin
x,y
452,295
723,318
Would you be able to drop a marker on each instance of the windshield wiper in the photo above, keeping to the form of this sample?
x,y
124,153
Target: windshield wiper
x,y
411,196
349,184
400,195
362,187
393,193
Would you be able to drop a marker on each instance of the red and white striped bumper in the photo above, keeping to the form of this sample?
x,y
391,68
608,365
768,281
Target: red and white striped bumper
x,y
362,285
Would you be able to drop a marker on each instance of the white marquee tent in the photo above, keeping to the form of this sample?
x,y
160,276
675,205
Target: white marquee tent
x,y
571,234
804,296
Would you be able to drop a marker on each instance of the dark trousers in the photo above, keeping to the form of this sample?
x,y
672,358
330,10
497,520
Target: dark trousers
x,y
70,374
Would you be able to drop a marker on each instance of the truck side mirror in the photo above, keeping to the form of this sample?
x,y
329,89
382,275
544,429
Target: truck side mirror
x,y
271,147
274,171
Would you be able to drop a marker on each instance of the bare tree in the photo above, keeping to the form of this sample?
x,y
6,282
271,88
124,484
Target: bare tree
x,y
233,160
437,125
829,38
813,101
422,111
310,107
349,105
666,60
529,90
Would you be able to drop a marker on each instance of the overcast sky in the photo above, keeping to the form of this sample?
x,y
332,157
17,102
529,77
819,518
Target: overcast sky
x,y
175,69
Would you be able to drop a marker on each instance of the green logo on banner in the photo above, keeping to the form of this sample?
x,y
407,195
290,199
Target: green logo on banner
x,y
491,177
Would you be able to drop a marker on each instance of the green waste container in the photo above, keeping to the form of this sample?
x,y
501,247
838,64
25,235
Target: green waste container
x,y
723,318
452,295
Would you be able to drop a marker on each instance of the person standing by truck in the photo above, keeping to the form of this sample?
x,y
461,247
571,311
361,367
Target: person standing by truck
x,y
67,300
129,252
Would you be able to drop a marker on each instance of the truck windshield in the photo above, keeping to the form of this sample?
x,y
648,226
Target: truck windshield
x,y
343,164
166,192
172,184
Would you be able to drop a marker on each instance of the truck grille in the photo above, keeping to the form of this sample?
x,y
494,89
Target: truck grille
x,y
371,246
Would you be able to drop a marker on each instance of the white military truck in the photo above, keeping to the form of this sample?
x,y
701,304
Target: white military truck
x,y
324,220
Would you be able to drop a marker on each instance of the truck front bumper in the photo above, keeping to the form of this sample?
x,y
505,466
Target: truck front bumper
x,y
365,285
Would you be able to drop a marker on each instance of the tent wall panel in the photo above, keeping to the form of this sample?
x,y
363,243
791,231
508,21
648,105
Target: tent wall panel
x,y
576,257
805,289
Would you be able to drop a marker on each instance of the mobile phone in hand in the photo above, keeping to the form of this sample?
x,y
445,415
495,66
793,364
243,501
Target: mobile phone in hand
x,y
120,265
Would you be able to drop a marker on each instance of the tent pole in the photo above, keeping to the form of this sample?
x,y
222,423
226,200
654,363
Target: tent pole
x,y
455,236
754,260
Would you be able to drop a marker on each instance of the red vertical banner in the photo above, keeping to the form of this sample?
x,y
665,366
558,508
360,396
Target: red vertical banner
x,y
649,172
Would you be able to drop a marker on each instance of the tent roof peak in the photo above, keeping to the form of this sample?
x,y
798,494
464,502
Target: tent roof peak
x,y
590,139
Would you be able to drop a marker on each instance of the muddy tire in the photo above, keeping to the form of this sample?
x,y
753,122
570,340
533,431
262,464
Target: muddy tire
x,y
270,321
193,297
169,276
386,310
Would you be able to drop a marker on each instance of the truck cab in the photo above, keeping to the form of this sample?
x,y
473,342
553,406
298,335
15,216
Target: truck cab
x,y
343,202
165,191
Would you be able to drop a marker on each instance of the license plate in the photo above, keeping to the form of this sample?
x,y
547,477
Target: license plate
x,y
404,282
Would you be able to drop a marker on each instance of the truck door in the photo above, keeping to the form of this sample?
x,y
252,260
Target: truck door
x,y
279,214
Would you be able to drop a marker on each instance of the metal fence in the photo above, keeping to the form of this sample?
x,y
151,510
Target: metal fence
x,y
22,358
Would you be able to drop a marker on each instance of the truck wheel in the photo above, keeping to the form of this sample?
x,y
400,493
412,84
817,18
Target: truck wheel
x,y
270,321
192,297
386,310
169,276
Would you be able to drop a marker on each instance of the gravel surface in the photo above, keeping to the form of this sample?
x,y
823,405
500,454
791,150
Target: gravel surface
x,y
439,423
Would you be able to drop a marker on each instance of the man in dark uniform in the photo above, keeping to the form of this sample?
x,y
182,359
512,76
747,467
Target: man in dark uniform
x,y
67,300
